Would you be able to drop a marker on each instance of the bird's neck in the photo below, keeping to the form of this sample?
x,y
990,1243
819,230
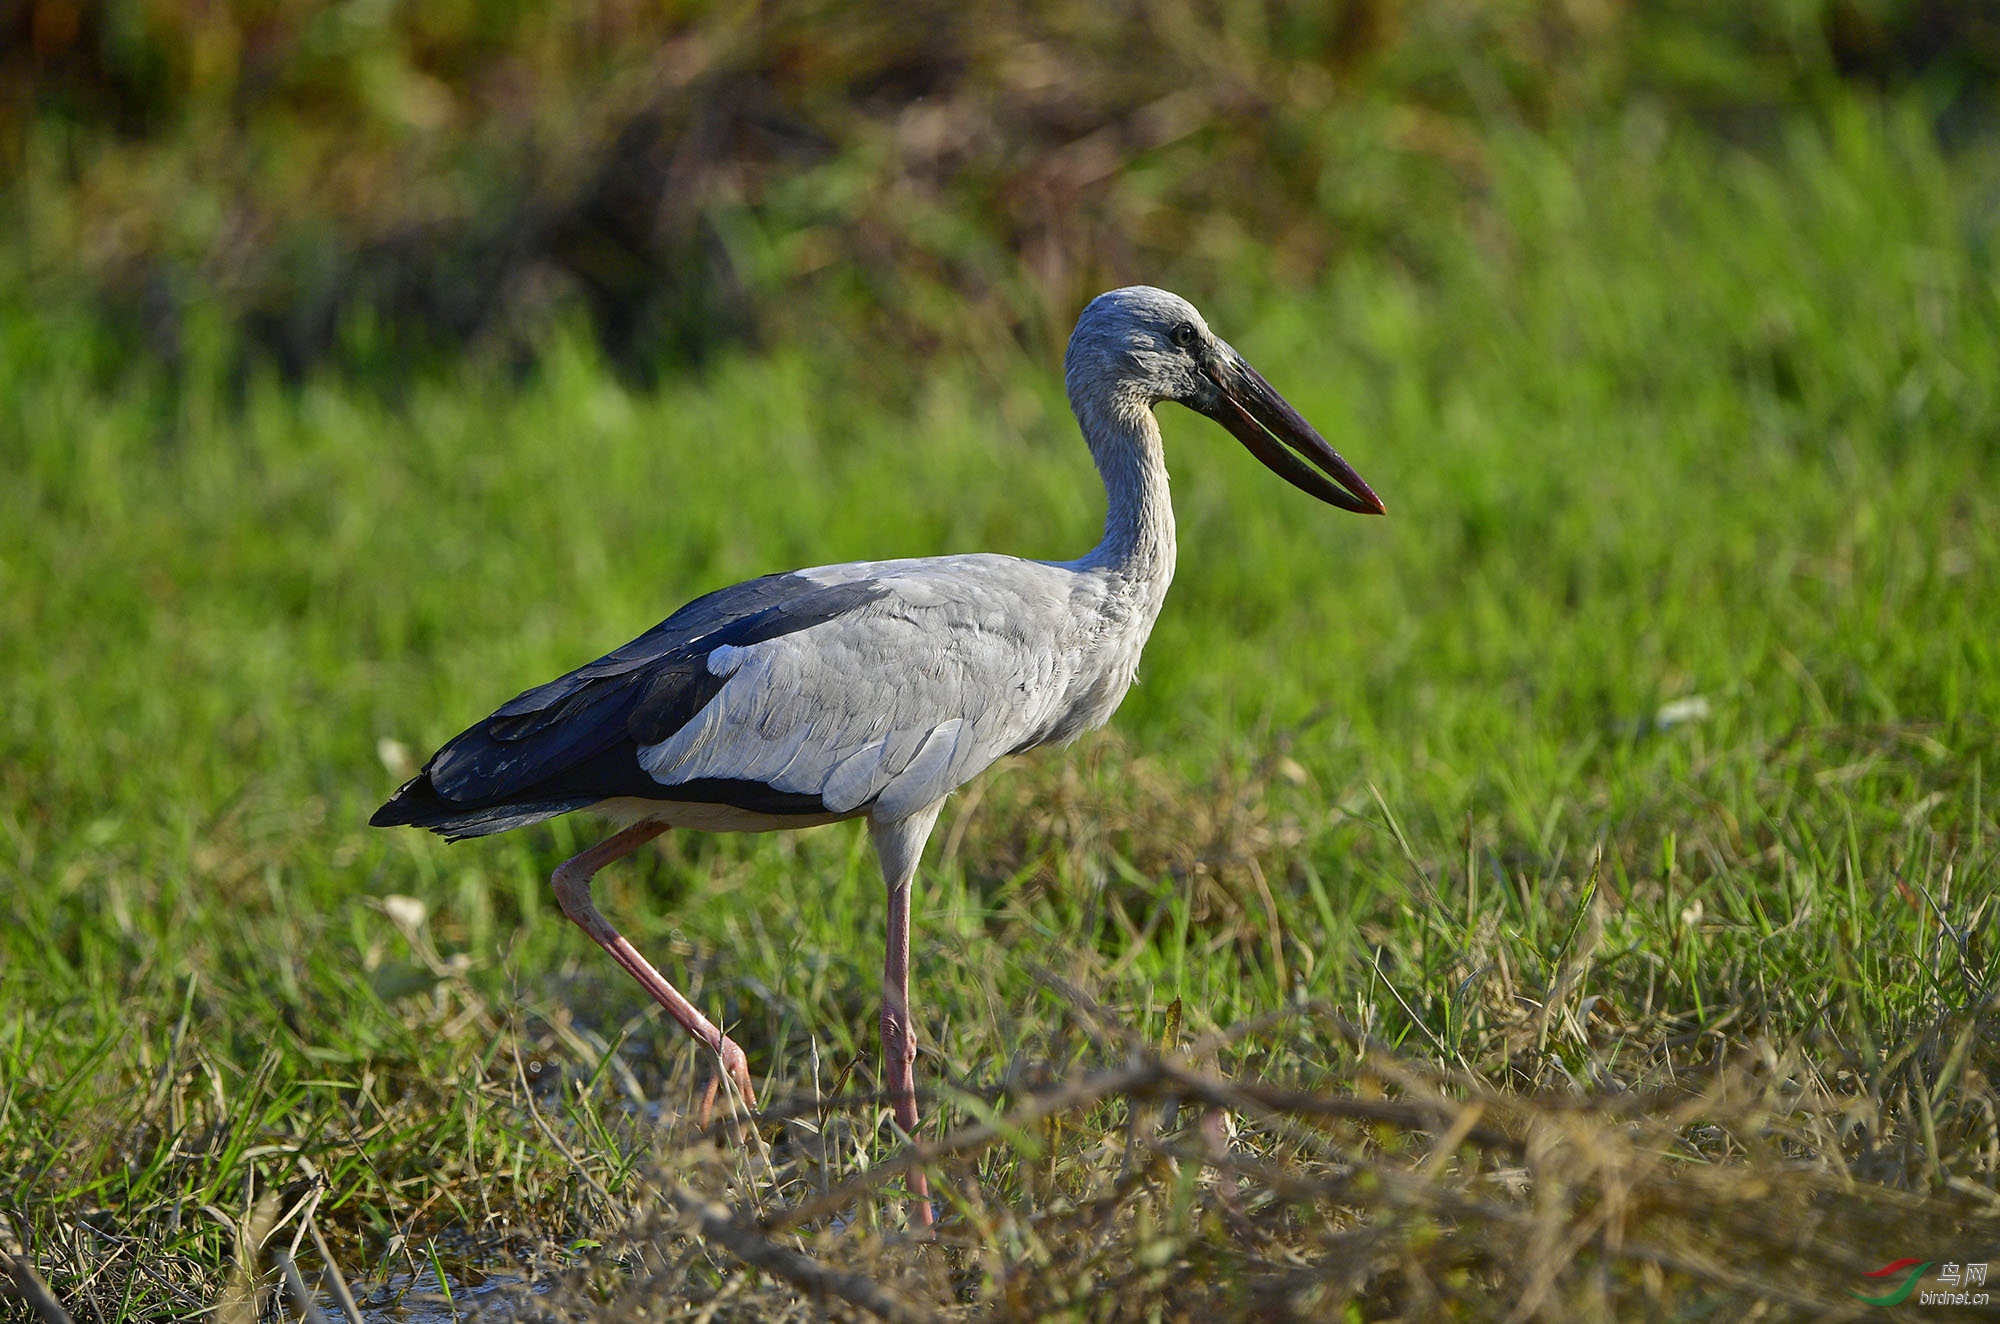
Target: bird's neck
x,y
1138,541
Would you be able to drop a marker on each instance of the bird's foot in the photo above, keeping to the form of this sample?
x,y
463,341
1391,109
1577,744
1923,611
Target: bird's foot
x,y
733,1063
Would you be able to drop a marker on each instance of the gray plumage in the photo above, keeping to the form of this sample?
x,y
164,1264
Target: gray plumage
x,y
874,689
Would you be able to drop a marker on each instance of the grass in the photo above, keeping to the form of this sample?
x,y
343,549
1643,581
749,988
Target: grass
x,y
1623,805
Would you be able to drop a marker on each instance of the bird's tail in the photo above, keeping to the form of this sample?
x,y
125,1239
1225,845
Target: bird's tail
x,y
418,804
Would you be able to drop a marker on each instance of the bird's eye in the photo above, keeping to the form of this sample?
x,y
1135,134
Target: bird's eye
x,y
1183,335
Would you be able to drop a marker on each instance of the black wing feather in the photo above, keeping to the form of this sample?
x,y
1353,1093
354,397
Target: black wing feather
x,y
574,741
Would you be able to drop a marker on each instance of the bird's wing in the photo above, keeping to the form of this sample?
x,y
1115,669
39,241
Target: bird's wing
x,y
947,665
569,743
876,685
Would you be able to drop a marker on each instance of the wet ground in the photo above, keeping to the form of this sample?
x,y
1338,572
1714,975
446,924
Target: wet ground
x,y
422,1299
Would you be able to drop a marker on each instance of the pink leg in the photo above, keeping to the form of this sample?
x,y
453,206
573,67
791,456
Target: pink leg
x,y
899,1039
572,885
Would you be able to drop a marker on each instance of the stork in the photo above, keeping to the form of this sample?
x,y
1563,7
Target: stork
x,y
873,689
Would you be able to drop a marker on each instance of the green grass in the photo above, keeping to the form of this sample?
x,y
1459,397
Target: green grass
x,y
1674,422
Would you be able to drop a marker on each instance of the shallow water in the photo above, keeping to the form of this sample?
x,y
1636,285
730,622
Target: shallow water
x,y
417,1299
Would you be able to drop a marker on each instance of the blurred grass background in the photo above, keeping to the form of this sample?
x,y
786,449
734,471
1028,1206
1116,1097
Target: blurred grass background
x,y
363,364
379,184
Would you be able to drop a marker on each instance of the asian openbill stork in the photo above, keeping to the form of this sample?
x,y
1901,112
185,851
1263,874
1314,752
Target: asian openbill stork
x,y
872,690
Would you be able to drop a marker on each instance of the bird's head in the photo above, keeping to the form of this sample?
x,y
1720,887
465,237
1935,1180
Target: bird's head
x,y
1152,345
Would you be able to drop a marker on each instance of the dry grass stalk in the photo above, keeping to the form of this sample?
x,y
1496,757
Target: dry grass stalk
x,y
1390,1187
36,1292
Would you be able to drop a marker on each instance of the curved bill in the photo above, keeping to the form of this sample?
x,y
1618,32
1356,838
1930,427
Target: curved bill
x,y
1259,417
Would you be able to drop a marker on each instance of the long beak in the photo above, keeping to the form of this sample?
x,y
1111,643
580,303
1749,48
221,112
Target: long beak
x,y
1260,418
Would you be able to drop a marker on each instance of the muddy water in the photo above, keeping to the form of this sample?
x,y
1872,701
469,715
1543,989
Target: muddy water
x,y
418,1299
